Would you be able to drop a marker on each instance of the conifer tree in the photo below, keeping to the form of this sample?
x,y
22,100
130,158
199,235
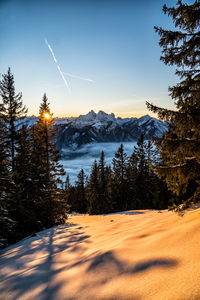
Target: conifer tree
x,y
4,161
180,145
93,189
71,195
119,184
81,201
12,109
52,205
24,208
131,174
104,174
143,194
6,223
71,198
36,175
67,182
146,181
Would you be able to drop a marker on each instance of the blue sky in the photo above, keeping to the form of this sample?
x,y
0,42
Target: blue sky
x,y
111,42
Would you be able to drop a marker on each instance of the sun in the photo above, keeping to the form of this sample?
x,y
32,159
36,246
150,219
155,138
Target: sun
x,y
47,116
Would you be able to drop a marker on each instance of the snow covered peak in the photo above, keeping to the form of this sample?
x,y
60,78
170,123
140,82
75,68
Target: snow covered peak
x,y
102,116
96,119
143,119
88,117
101,127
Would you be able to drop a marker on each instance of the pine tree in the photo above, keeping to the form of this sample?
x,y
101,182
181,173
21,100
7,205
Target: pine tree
x,y
119,182
147,183
81,202
131,174
6,223
12,109
24,202
53,206
36,175
104,174
93,191
71,198
4,161
67,182
180,145
69,193
142,183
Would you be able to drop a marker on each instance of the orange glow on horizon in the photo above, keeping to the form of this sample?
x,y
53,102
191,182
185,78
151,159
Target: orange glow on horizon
x,y
122,115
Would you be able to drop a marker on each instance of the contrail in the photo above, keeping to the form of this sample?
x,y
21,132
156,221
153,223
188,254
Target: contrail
x,y
79,77
58,67
63,73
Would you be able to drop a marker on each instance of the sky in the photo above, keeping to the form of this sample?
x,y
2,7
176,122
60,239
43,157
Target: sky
x,y
111,45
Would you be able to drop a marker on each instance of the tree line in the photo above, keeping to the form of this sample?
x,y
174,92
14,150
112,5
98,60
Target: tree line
x,y
31,194
129,183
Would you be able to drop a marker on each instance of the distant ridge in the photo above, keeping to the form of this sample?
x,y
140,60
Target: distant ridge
x,y
103,127
75,132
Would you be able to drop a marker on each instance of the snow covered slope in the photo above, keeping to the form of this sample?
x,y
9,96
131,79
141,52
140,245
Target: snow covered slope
x,y
146,255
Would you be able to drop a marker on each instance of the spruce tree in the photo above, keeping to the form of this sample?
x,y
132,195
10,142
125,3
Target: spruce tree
x,y
53,206
24,208
6,223
67,182
143,188
81,202
4,162
146,180
119,182
131,174
180,145
70,194
12,110
104,185
36,175
93,191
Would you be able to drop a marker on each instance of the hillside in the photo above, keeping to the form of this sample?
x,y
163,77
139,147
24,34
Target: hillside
x,y
145,254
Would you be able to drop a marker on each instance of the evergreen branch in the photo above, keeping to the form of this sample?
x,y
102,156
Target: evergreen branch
x,y
171,167
163,113
186,73
184,16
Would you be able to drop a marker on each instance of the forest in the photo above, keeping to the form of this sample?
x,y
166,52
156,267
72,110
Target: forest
x,y
33,195
163,172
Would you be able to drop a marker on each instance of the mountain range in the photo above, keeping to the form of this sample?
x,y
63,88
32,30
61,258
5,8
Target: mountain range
x,y
74,132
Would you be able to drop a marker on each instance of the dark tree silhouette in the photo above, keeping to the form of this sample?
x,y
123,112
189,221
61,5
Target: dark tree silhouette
x,y
12,109
53,205
180,145
81,201
119,182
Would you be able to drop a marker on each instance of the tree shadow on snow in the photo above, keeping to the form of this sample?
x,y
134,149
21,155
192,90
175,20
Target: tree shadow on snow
x,y
32,264
109,260
105,267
